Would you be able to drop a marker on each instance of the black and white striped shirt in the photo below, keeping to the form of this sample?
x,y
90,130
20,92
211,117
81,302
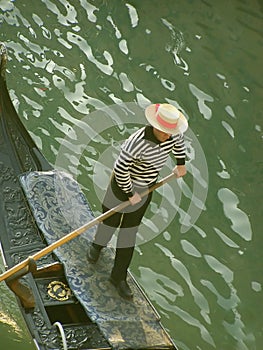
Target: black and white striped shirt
x,y
142,157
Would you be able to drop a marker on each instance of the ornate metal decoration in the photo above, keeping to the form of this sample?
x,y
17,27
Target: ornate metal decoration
x,y
58,290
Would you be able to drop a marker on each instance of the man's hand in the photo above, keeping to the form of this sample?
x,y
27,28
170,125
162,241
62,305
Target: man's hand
x,y
179,170
136,198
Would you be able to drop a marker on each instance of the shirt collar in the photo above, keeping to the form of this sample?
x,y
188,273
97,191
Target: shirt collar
x,y
149,135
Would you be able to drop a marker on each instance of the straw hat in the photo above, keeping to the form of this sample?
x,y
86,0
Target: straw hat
x,y
167,118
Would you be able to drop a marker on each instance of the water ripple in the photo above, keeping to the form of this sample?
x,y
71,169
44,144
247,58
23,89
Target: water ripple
x,y
106,68
66,19
239,219
74,59
199,298
133,15
220,268
190,249
202,99
165,292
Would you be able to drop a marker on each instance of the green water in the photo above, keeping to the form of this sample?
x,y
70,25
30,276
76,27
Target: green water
x,y
202,263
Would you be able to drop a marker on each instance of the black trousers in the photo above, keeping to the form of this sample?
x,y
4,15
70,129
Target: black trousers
x,y
127,221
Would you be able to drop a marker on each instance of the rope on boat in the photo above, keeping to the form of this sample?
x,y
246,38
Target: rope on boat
x,y
62,333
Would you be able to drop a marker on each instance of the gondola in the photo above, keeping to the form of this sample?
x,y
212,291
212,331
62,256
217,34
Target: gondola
x,y
66,302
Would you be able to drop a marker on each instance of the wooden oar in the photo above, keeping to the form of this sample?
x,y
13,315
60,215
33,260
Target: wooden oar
x,y
24,264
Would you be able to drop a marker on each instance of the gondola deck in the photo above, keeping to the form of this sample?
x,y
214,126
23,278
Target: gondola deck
x,y
126,324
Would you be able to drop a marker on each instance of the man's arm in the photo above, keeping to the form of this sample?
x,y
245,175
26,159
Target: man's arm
x,y
179,153
122,175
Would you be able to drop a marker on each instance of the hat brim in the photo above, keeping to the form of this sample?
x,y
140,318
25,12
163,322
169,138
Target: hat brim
x,y
181,127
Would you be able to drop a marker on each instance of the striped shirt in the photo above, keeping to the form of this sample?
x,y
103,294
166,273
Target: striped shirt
x,y
142,157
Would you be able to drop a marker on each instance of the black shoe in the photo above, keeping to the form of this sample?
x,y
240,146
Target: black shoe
x,y
122,288
93,254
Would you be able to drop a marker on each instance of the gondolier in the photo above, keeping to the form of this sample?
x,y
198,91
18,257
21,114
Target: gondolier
x,y
137,167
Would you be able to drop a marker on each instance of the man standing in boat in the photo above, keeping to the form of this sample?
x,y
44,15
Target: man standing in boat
x,y
137,168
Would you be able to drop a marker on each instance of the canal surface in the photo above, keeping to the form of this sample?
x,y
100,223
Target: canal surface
x,y
80,74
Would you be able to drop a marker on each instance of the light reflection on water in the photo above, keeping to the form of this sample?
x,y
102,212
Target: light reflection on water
x,y
73,59
239,220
